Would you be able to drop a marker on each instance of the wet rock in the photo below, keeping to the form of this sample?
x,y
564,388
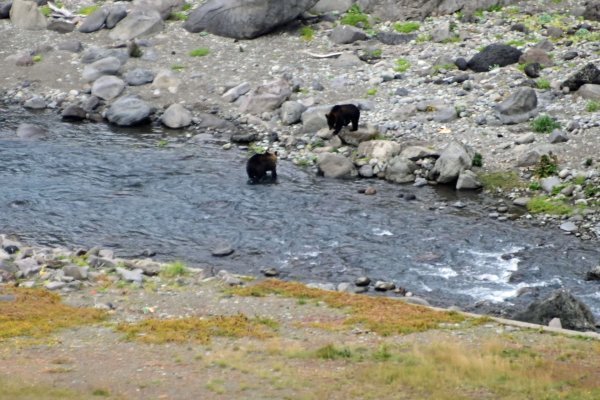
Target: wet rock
x,y
176,116
73,112
60,26
90,104
35,103
26,15
107,87
382,286
589,91
499,55
366,171
243,137
129,111
291,112
345,34
335,166
30,131
400,170
269,271
370,191
222,250
95,21
116,13
558,136
240,20
593,274
393,38
138,23
455,158
11,249
587,74
468,180
362,281
138,76
560,304
519,107
104,66
72,45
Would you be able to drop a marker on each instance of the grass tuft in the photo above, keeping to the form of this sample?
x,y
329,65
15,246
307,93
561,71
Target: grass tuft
x,y
544,124
307,33
88,10
501,180
199,52
546,205
174,269
406,27
402,65
354,16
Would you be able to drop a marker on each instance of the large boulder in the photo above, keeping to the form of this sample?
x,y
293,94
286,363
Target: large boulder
x,y
592,11
267,97
561,304
164,7
493,55
518,107
95,21
291,112
325,6
139,76
344,34
454,159
244,19
176,116
588,74
139,22
26,15
382,150
589,91
117,12
129,111
335,166
400,170
313,119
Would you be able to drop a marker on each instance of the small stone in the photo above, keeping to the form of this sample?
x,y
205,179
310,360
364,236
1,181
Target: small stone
x,y
382,286
568,226
370,191
222,250
362,281
270,271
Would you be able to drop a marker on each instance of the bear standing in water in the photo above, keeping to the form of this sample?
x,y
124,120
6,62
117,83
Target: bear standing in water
x,y
341,115
258,165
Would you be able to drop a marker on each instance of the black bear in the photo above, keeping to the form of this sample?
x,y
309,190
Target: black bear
x,y
341,115
258,165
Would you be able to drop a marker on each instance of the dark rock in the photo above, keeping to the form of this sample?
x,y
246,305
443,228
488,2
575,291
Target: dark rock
x,y
72,45
11,249
519,107
139,76
461,64
569,55
90,103
269,271
362,281
494,55
533,70
116,13
5,9
560,304
593,274
588,74
60,26
592,11
242,20
222,250
95,21
345,34
243,137
73,113
393,38
93,54
519,28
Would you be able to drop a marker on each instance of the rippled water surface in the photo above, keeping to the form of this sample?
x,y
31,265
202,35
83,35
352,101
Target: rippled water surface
x,y
89,184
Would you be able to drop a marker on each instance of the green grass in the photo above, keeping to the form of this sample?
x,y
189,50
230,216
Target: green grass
x,y
178,16
424,37
535,186
88,10
445,67
37,58
331,352
543,84
501,180
174,269
371,92
307,33
546,205
547,166
177,67
354,16
516,42
592,106
544,124
406,27
199,52
45,10
402,65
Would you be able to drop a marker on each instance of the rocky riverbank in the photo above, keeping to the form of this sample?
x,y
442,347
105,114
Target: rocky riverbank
x,y
437,105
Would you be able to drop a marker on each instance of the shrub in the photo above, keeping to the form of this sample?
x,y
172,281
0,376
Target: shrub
x,y
307,33
199,52
477,160
45,10
592,106
544,124
406,27
500,180
547,166
402,65
543,83
535,186
354,16
174,269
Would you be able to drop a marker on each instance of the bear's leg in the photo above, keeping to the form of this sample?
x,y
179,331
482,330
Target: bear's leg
x,y
338,127
274,174
355,123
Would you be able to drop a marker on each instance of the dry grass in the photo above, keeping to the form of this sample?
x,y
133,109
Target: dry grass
x,y
197,329
37,313
385,316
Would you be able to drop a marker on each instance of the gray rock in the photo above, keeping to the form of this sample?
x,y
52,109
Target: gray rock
x,y
589,91
222,250
555,323
73,112
105,66
60,26
455,158
592,11
210,121
266,97
345,34
35,103
366,171
313,119
94,53
442,32
54,285
587,74
166,79
90,104
521,201
138,76
549,183
269,271
560,304
27,266
127,275
525,138
593,274
468,180
558,136
107,87
100,262
382,150
355,138
243,20
415,300
176,116
26,15
518,107
568,226
95,21
494,55
129,111
243,137
346,60
382,286
445,114
229,279
415,153
72,45
236,92
362,281
164,7
76,272
30,131
335,166
531,156
137,23
393,38
325,6
5,9
291,112
400,170
116,13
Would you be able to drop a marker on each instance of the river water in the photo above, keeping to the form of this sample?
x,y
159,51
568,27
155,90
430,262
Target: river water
x,y
91,184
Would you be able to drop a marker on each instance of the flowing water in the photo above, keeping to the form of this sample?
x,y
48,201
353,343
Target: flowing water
x,y
90,184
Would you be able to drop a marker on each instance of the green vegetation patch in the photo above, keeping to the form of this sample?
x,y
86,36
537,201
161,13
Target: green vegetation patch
x,y
88,10
385,316
402,65
544,124
406,27
371,92
592,106
543,84
37,313
197,329
547,166
199,52
174,269
45,10
547,205
354,16
477,160
501,180
178,16
307,33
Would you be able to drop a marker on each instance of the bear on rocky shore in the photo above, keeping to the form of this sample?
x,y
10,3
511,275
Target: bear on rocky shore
x,y
341,115
259,164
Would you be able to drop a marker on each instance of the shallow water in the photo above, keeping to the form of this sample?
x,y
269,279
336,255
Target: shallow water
x,y
90,184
